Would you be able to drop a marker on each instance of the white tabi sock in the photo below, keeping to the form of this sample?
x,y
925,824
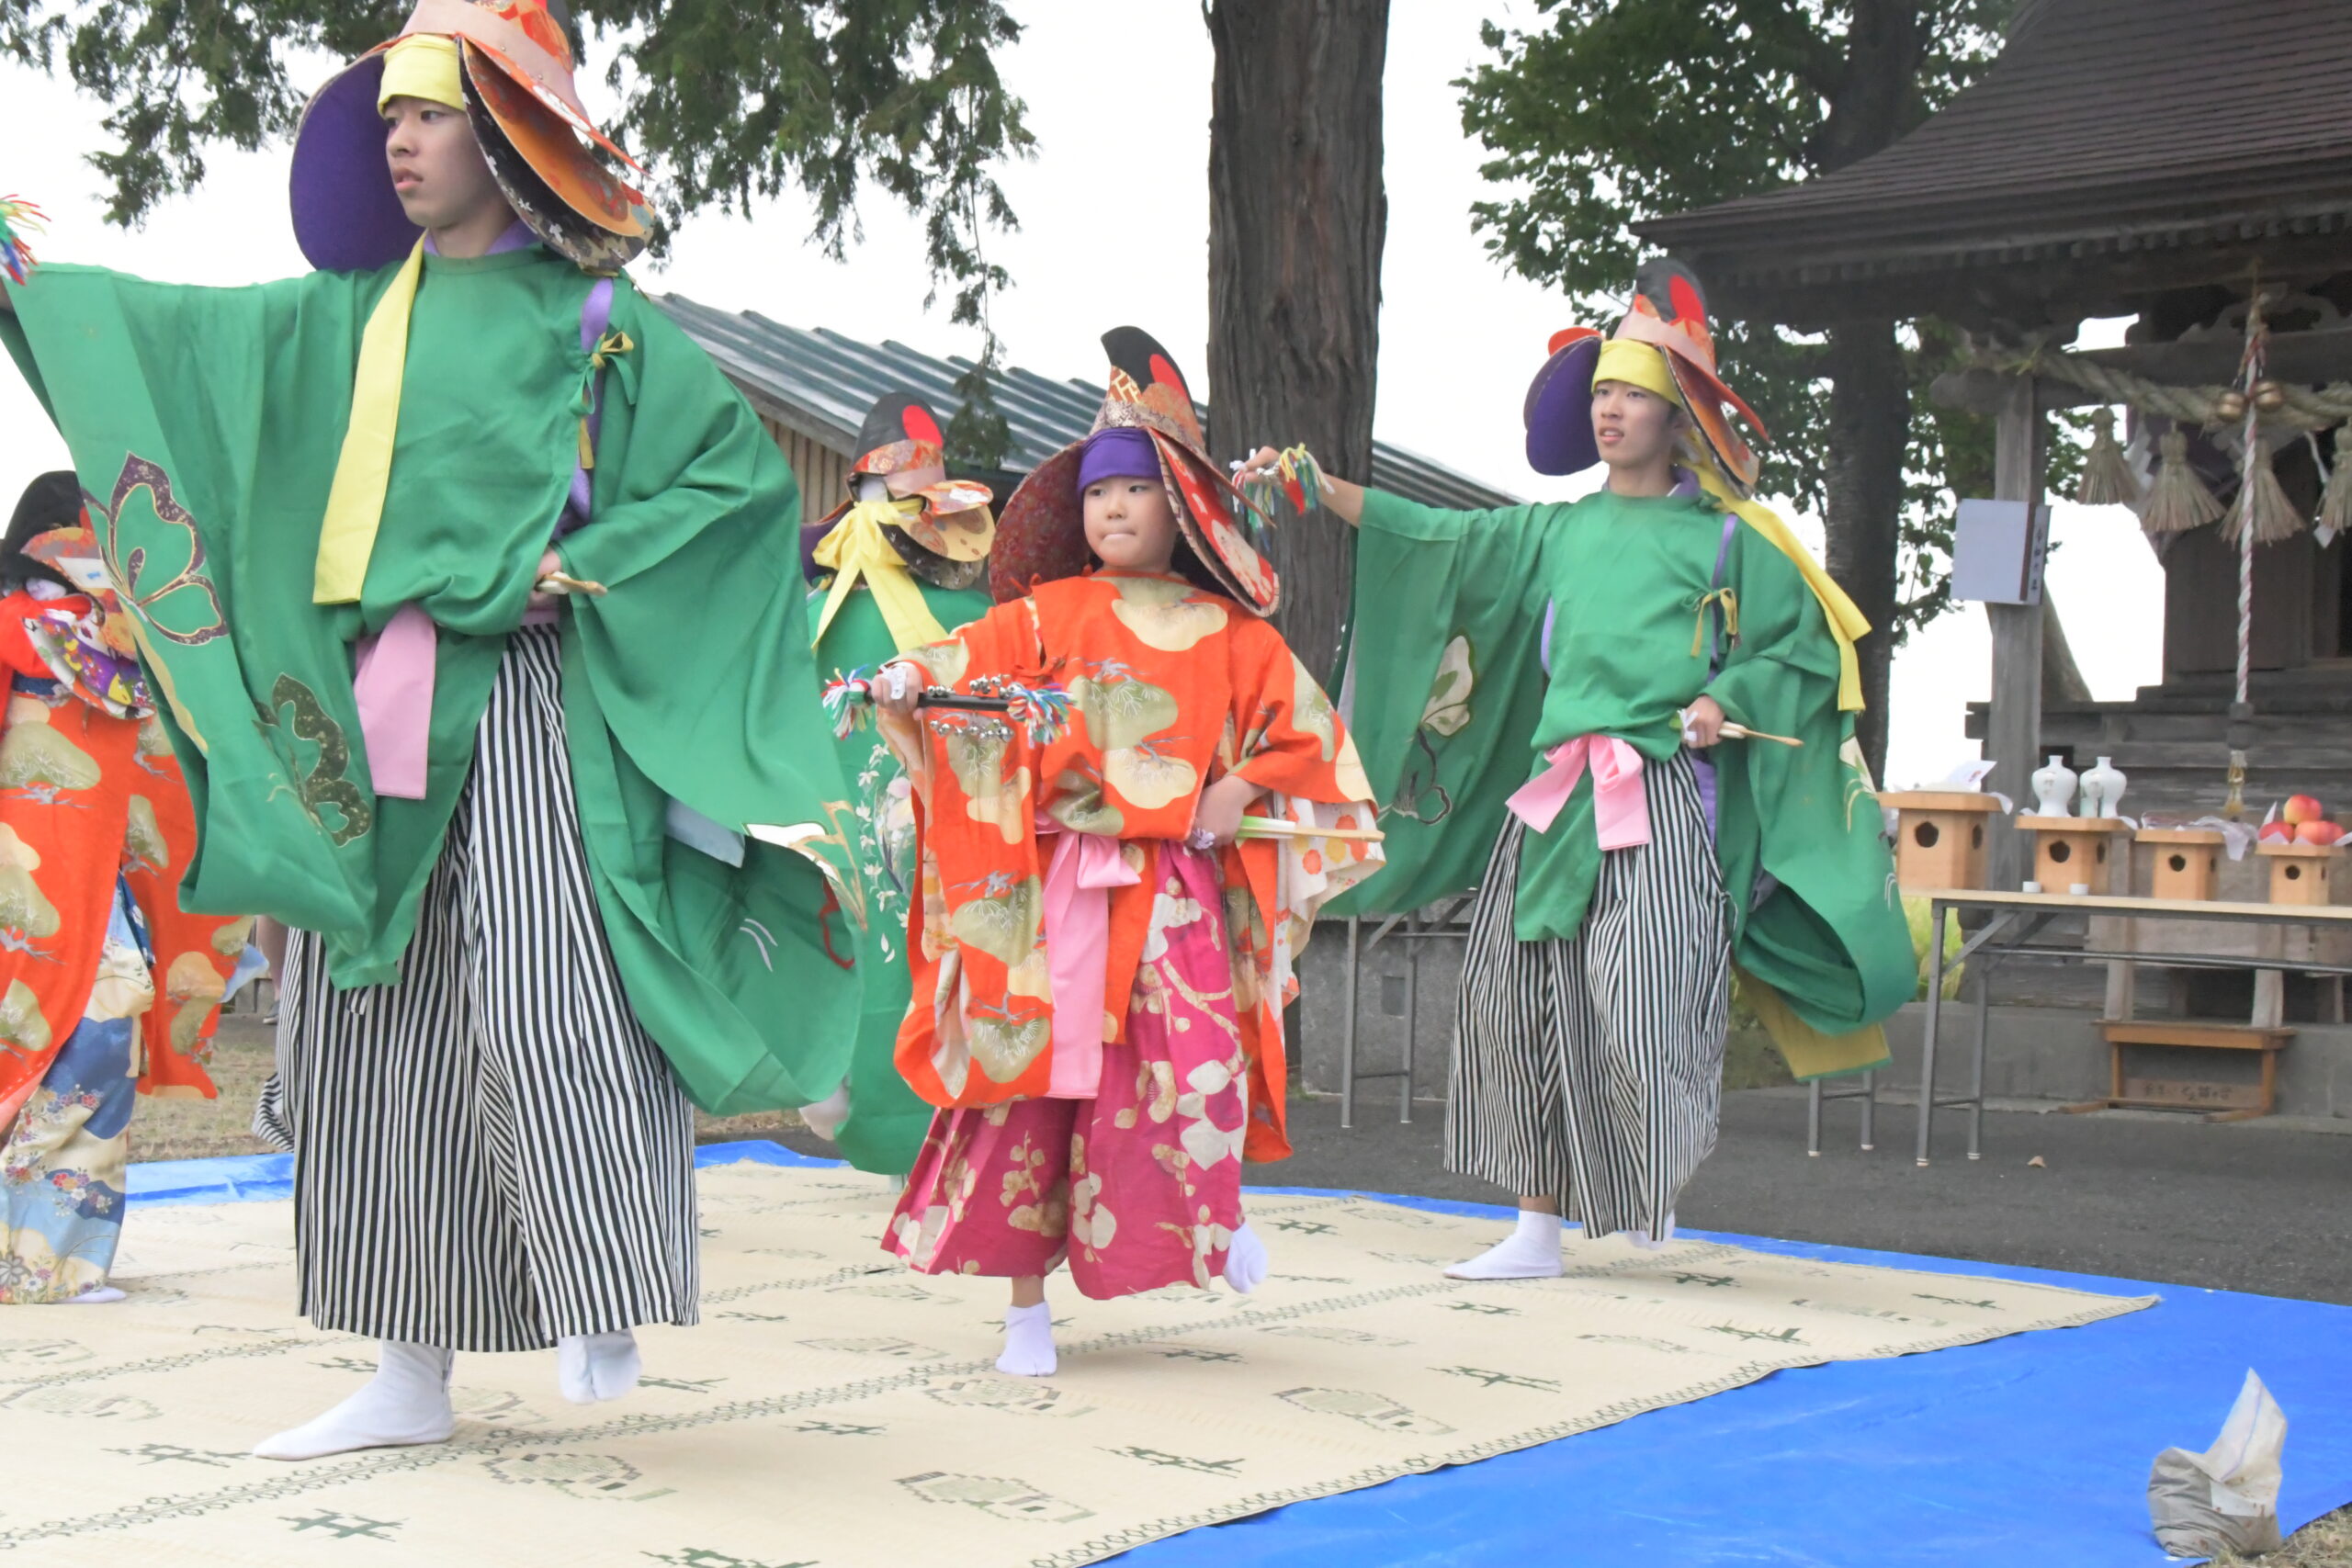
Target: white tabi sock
x,y
1643,1238
825,1117
593,1367
97,1295
1531,1251
1246,1263
1028,1342
407,1402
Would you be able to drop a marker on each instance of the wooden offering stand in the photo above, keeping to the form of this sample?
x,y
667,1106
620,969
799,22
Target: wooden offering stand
x,y
2070,853
2186,862
1939,840
2302,874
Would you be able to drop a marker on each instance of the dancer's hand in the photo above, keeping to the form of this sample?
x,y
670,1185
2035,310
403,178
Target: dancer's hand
x,y
898,688
548,563
1340,497
1702,723
1216,818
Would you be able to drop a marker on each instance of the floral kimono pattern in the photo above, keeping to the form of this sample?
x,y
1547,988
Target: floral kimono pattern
x,y
1139,1187
1170,688
92,808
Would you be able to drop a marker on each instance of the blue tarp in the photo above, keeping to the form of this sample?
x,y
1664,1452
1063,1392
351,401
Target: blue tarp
x,y
2033,1448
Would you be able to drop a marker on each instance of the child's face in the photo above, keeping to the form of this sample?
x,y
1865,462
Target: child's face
x,y
1633,427
437,167
1129,525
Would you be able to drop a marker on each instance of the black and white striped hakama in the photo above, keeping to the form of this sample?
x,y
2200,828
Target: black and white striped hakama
x,y
1591,1070
491,1153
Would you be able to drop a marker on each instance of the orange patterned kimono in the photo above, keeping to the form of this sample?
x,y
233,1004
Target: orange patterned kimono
x,y
1171,689
91,800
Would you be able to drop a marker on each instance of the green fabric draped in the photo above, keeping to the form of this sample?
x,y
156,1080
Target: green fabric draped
x,y
1451,723
206,422
886,1121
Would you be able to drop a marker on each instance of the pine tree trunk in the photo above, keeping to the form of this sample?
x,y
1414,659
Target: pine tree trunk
x,y
1297,216
1870,425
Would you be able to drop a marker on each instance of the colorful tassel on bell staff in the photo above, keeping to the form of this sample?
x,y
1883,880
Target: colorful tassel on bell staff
x,y
2108,478
2178,499
17,219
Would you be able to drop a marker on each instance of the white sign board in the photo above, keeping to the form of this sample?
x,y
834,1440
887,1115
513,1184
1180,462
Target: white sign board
x,y
1996,552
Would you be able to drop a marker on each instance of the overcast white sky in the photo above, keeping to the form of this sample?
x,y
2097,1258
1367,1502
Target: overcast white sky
x,y
1459,336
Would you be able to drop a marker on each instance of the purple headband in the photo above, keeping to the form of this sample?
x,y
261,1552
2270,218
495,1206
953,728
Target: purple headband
x,y
1120,452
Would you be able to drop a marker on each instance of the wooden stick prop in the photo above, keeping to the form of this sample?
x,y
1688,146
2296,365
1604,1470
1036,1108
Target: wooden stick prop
x,y
1736,731
1275,828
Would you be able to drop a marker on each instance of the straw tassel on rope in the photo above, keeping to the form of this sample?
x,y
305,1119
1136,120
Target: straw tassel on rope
x,y
2108,478
2335,505
2178,499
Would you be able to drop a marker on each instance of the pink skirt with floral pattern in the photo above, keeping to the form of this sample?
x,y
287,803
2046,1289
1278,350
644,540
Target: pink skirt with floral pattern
x,y
1139,1187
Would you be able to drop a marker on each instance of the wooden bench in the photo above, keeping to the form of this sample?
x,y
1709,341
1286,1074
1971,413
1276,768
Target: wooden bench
x,y
2218,1102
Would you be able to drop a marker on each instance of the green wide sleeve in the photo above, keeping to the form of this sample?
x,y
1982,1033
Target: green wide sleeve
x,y
1444,686
204,424
1800,825
695,685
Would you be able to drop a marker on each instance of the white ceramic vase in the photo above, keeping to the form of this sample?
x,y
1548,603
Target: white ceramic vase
x,y
2053,789
2103,789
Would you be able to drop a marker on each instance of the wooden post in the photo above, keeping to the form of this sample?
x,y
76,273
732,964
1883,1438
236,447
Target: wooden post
x,y
2013,727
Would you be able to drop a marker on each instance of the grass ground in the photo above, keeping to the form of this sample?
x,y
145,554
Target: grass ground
x,y
196,1129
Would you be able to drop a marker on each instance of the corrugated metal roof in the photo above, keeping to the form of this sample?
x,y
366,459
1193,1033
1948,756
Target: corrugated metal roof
x,y
2105,126
821,383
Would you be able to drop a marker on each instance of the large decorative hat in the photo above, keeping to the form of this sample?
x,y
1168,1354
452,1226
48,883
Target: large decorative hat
x,y
944,539
1669,314
525,110
1042,534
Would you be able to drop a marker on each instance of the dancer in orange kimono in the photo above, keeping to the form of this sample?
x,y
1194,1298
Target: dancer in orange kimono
x,y
107,989
1118,874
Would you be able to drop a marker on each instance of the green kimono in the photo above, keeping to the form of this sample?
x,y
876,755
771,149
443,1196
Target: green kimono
x,y
1625,589
886,1121
205,425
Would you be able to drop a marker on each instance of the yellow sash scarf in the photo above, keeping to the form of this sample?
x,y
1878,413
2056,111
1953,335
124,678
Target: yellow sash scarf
x,y
858,550
1847,623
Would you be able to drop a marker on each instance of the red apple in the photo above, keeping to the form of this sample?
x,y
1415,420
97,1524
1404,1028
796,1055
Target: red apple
x,y
2278,833
2319,832
2301,809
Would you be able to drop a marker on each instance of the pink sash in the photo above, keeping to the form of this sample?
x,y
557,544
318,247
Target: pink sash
x,y
1620,813
1079,880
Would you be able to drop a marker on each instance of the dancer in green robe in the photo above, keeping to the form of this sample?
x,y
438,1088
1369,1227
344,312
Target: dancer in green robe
x,y
1628,721
470,590
900,563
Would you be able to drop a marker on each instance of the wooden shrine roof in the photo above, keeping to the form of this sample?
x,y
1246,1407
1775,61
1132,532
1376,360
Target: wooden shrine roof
x,y
2116,148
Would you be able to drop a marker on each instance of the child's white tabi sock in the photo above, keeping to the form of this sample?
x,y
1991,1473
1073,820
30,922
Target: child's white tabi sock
x,y
1531,1251
593,1367
1028,1342
97,1295
1246,1263
406,1403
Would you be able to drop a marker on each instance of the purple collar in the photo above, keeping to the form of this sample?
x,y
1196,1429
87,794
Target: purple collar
x,y
518,236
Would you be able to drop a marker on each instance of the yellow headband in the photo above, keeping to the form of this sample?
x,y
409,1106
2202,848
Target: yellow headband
x,y
1636,365
422,65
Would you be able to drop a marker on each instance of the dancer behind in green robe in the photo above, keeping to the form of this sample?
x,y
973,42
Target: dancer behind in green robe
x,y
1584,729
902,563
467,458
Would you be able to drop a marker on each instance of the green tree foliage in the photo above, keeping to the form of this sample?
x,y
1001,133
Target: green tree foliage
x,y
730,101
1622,110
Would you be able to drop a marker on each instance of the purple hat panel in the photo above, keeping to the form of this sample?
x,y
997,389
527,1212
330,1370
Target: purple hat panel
x,y
346,216
1559,411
